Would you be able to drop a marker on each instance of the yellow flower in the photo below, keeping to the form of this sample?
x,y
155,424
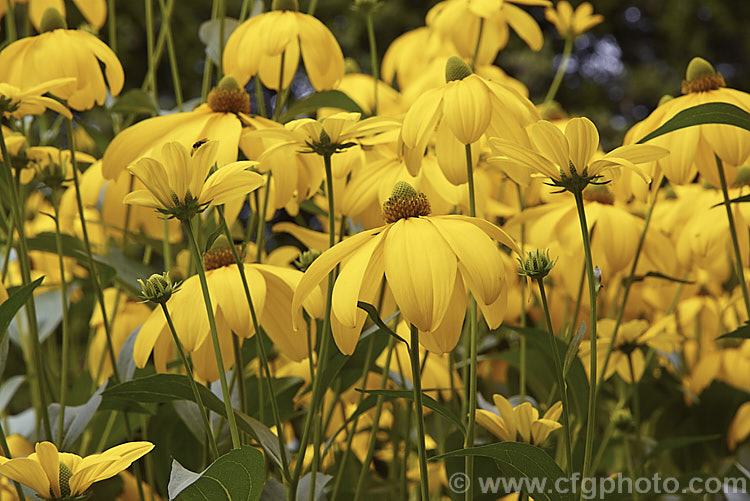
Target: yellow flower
x,y
94,11
627,357
571,24
218,118
523,421
271,288
55,475
260,44
427,263
568,159
61,53
18,103
459,21
693,148
183,185
462,110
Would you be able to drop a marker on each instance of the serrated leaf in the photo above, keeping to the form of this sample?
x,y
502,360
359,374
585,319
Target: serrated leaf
x,y
237,475
326,99
134,101
706,113
572,352
524,460
427,401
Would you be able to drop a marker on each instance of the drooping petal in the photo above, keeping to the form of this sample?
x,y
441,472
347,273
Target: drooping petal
x,y
421,271
524,25
321,53
446,336
349,282
421,119
27,472
467,108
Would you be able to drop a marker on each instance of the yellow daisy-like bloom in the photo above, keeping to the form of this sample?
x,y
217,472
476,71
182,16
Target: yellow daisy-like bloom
x,y
571,24
183,185
522,421
462,110
693,148
60,53
271,288
568,159
94,11
18,103
459,21
428,263
55,475
260,44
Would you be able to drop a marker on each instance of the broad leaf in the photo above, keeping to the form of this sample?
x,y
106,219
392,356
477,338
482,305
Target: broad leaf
x,y
325,99
523,460
17,298
706,113
237,475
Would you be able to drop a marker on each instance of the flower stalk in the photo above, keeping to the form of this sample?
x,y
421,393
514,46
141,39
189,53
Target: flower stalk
x,y
417,385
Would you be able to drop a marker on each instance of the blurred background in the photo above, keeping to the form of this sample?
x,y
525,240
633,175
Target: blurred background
x,y
617,74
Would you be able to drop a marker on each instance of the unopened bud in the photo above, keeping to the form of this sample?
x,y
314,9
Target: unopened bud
x,y
537,264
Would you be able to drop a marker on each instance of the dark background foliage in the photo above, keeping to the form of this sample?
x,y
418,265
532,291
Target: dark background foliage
x,y
617,74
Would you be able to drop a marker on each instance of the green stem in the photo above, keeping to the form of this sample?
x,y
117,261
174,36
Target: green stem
x,y
311,8
567,49
279,105
522,340
65,321
111,25
261,347
259,96
23,260
166,20
214,335
193,385
166,246
590,424
93,269
374,68
324,335
150,48
375,423
222,12
243,10
10,23
629,282
239,365
208,68
417,385
479,41
473,347
733,232
560,379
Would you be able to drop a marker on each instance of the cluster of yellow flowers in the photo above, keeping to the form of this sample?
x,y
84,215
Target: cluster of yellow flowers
x,y
428,195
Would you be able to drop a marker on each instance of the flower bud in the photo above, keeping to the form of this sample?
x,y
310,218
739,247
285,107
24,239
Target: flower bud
x,y
456,69
537,264
305,259
701,77
158,288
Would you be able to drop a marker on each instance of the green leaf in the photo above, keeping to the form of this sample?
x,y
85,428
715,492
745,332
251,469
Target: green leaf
x,y
427,401
16,299
741,332
374,315
237,475
677,442
656,274
159,388
134,101
526,461
706,113
738,200
326,99
572,352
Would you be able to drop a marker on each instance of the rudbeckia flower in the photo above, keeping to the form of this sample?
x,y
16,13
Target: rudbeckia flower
x,y
462,110
569,23
693,148
523,421
568,159
260,44
183,185
271,288
459,21
55,475
429,263
60,53
18,103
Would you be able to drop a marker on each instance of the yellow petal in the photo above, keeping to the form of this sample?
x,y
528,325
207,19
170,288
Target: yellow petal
x,y
583,139
507,414
494,424
349,282
446,336
230,182
321,53
421,119
548,139
524,25
467,108
27,472
421,271
46,453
